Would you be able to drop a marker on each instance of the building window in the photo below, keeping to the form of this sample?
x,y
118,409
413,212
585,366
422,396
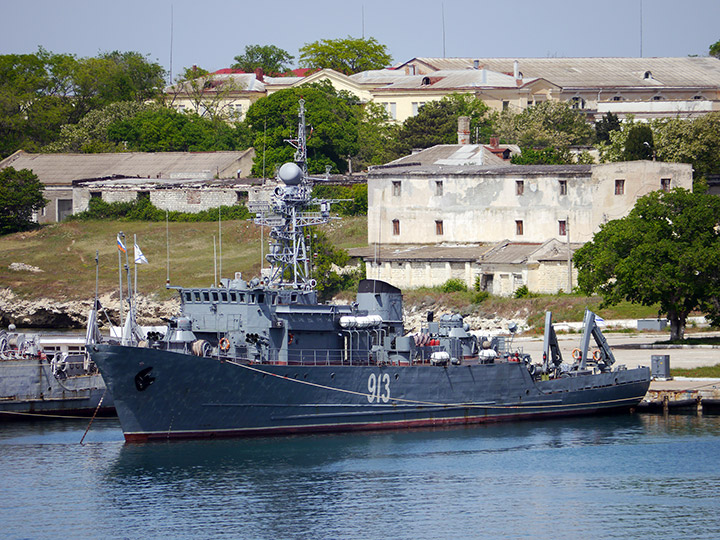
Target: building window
x,y
562,227
396,227
96,195
519,187
619,187
617,98
577,103
439,227
143,195
242,196
519,227
563,187
657,98
665,184
438,188
416,106
391,109
505,105
397,188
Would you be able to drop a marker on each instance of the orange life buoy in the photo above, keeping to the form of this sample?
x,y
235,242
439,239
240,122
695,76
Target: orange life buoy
x,y
224,344
597,355
576,354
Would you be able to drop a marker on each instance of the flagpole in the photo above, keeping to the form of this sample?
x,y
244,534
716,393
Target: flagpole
x,y
215,262
120,279
135,263
167,247
220,239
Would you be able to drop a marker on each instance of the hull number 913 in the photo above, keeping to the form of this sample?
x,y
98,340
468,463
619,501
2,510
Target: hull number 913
x,y
379,388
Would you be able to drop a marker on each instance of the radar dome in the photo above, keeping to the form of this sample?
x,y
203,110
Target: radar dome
x,y
291,174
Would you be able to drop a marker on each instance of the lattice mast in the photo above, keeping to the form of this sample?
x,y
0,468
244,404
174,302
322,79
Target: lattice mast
x,y
288,217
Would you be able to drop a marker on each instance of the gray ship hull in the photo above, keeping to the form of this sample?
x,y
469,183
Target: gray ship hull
x,y
29,388
160,394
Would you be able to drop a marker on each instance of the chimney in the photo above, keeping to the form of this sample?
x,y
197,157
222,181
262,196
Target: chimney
x,y
516,69
476,64
494,141
483,77
464,130
259,75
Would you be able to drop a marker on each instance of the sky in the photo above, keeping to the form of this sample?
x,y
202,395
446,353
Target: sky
x,y
210,33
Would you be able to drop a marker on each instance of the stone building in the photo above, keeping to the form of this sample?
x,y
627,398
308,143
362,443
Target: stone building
x,y
175,195
446,213
450,203
57,172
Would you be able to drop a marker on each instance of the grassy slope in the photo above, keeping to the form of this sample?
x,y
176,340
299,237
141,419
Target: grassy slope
x,y
66,254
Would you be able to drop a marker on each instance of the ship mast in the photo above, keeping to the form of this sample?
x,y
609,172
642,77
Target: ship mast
x,y
288,216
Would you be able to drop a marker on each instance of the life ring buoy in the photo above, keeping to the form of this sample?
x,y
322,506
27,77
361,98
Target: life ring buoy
x,y
291,338
576,354
597,355
224,344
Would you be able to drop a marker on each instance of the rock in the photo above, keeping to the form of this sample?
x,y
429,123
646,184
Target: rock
x,y
48,313
22,267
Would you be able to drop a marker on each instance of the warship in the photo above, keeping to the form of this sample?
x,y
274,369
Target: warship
x,y
48,376
265,357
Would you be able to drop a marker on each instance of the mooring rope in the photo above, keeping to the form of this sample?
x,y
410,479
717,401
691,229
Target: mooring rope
x,y
426,403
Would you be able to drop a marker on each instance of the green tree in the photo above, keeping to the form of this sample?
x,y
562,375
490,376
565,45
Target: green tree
x,y
639,143
166,130
36,99
437,123
695,141
546,156
376,137
271,59
332,120
115,76
90,134
603,127
547,124
715,49
327,262
666,251
41,92
349,55
21,194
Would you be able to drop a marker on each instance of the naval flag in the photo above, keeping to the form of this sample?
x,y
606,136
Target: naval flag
x,y
139,257
121,246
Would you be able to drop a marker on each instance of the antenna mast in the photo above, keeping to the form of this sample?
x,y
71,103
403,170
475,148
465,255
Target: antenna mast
x,y
288,215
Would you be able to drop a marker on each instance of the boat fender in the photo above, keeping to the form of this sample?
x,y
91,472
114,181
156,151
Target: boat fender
x,y
224,344
576,354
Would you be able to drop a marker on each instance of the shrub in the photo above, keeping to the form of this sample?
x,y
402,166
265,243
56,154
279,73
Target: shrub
x,y
143,210
453,285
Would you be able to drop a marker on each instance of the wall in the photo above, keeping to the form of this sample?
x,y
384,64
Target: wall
x,y
482,205
177,199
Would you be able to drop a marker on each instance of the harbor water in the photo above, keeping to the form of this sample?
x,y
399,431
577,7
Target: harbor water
x,y
628,476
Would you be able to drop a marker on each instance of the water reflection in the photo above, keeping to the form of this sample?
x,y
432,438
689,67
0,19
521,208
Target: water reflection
x,y
610,477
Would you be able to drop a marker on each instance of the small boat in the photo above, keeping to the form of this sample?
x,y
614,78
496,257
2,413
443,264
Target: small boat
x,y
265,357
49,376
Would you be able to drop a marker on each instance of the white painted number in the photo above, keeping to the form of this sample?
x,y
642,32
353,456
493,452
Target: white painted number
x,y
379,388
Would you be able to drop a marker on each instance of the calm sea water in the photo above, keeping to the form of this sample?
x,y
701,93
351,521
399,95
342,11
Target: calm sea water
x,y
640,476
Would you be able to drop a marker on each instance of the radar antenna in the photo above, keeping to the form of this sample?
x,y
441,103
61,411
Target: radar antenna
x,y
288,216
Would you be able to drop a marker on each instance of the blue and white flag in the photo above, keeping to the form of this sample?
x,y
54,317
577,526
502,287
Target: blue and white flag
x,y
121,246
599,321
139,257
